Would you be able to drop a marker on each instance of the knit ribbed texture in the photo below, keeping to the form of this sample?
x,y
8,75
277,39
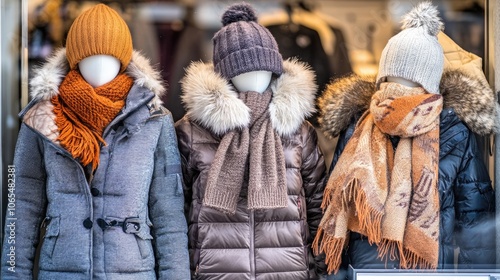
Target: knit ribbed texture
x,y
99,31
82,112
255,149
415,53
243,45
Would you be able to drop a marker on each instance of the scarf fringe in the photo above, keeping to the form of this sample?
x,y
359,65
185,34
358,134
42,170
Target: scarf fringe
x,y
84,142
388,248
414,261
332,247
327,197
370,219
315,244
370,223
407,258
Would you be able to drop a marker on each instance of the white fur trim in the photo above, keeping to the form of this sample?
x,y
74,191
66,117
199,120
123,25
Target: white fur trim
x,y
211,100
48,77
293,97
145,75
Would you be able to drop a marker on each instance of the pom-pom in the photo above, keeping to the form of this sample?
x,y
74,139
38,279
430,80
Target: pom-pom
x,y
238,12
424,15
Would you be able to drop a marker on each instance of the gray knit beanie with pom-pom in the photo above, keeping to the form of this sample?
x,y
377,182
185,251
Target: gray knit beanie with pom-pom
x,y
415,53
243,45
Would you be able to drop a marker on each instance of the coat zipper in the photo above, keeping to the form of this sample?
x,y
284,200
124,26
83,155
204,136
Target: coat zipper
x,y
110,152
252,245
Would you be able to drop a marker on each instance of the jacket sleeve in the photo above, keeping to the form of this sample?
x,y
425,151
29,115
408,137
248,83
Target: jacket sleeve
x,y
183,130
184,137
26,204
166,207
475,210
344,137
313,176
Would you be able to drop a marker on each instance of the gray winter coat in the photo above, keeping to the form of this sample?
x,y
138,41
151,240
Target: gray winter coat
x,y
262,244
126,220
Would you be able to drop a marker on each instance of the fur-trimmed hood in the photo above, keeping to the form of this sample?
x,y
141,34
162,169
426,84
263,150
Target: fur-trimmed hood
x,y
471,98
213,102
45,83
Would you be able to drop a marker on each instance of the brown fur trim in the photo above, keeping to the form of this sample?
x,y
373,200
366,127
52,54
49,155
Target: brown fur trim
x,y
473,100
471,97
341,100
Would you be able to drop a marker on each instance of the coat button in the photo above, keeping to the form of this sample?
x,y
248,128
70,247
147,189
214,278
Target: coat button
x,y
95,192
87,223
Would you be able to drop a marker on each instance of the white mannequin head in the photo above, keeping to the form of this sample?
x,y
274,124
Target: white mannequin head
x,y
98,70
252,81
402,81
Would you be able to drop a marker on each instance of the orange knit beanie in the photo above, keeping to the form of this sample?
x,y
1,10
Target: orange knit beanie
x,y
99,30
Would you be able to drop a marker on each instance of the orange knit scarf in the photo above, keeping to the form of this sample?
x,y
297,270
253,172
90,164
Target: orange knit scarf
x,y
82,112
391,197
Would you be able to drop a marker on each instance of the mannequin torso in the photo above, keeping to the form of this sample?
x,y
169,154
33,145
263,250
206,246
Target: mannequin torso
x,y
98,70
252,81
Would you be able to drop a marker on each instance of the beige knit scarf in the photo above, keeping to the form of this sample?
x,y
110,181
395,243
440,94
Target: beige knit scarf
x,y
391,197
252,155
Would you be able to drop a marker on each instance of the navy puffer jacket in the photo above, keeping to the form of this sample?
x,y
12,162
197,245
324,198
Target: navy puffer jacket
x,y
465,190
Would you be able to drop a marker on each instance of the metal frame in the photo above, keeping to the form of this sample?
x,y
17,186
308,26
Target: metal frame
x,y
492,59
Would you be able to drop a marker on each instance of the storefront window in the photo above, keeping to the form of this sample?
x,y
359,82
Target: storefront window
x,y
336,38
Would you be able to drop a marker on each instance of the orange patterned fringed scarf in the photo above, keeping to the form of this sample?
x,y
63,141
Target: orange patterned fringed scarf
x,y
82,112
391,197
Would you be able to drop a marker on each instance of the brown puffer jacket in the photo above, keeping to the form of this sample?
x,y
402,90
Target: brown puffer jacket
x,y
260,244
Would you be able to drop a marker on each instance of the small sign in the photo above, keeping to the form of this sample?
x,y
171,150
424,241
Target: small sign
x,y
446,274
421,276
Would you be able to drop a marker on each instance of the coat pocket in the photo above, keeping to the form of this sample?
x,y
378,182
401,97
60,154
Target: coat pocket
x,y
52,227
